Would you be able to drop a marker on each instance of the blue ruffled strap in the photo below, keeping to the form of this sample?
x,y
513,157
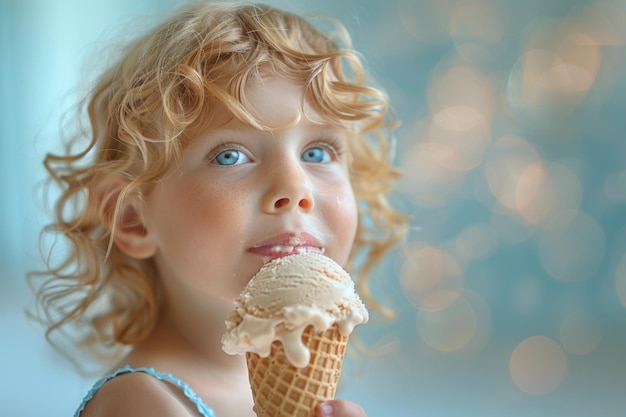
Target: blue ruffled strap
x,y
203,409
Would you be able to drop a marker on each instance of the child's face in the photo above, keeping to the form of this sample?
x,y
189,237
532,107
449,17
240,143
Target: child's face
x,y
241,197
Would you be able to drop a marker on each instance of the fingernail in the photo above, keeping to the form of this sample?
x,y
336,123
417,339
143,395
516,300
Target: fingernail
x,y
326,409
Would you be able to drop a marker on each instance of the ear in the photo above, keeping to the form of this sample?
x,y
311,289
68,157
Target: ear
x,y
126,225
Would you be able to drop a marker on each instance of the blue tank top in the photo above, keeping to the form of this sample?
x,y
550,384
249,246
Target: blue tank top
x,y
203,409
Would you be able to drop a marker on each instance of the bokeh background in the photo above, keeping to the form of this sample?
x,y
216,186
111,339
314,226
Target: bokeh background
x,y
511,289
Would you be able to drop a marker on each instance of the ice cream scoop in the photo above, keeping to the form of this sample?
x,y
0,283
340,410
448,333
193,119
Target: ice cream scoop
x,y
285,297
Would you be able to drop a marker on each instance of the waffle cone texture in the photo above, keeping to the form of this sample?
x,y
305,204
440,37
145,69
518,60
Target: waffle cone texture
x,y
281,390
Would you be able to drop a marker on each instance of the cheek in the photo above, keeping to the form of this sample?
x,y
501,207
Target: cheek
x,y
186,213
348,212
344,220
207,202
217,209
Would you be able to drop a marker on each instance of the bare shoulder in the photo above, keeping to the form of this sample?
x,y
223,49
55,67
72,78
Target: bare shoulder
x,y
137,395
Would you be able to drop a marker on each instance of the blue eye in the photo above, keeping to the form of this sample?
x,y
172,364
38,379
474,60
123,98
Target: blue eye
x,y
316,155
231,157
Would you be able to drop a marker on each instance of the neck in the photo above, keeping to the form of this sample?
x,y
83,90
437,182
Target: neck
x,y
176,341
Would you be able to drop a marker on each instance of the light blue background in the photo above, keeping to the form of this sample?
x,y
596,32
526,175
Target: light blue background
x,y
512,291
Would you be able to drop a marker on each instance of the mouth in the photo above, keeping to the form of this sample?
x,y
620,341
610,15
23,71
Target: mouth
x,y
287,244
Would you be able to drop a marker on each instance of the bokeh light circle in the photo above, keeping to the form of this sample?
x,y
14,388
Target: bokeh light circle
x,y
538,365
508,160
454,84
557,69
476,242
463,135
449,329
426,182
545,190
428,270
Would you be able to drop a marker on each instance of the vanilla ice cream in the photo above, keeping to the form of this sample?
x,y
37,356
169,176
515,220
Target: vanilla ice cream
x,y
285,297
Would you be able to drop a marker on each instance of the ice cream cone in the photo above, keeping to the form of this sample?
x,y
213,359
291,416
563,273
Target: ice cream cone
x,y
278,318
281,389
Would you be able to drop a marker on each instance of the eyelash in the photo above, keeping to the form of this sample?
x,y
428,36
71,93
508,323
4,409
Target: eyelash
x,y
335,146
224,146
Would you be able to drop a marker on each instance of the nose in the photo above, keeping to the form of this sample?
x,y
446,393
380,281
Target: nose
x,y
289,189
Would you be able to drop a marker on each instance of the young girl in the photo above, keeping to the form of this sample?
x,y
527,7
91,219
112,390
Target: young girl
x,y
226,136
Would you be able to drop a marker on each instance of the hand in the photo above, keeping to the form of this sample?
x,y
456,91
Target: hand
x,y
339,408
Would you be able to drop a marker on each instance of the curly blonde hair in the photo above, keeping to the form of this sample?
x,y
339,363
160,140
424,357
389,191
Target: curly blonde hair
x,y
138,113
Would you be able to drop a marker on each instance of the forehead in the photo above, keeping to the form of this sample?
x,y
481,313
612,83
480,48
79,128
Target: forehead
x,y
279,101
267,103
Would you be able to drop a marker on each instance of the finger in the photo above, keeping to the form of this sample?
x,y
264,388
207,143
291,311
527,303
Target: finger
x,y
339,408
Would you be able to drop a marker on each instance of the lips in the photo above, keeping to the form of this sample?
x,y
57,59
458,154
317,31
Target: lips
x,y
287,244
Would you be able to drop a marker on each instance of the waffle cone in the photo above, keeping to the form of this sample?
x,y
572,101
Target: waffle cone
x,y
280,389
